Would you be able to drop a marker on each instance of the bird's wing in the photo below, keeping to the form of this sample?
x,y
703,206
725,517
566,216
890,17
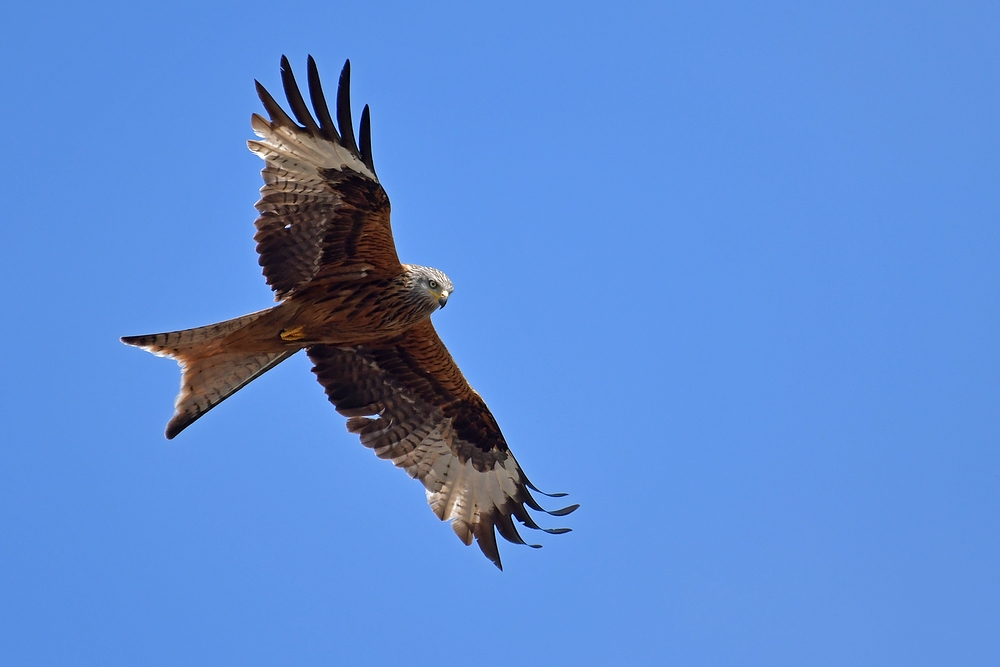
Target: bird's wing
x,y
324,217
411,404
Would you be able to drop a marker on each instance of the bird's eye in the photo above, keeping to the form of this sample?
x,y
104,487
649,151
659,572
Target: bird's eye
x,y
433,284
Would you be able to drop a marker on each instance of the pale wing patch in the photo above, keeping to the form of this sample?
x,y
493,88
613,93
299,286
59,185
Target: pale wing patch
x,y
424,446
298,151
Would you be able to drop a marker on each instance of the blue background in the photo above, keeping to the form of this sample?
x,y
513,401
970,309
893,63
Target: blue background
x,y
726,272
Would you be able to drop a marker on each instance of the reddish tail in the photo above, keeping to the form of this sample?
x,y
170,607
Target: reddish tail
x,y
209,374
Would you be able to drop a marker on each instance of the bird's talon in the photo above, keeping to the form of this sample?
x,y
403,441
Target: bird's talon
x,y
293,334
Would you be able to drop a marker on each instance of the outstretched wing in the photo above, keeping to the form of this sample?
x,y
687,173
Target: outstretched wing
x,y
410,403
324,217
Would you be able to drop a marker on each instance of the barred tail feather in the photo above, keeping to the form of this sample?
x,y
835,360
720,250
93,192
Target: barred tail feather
x,y
208,381
209,375
174,344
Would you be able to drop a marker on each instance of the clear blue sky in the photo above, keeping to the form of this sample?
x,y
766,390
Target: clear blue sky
x,y
727,273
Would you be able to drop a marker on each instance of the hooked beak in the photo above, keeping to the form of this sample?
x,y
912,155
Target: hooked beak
x,y
443,299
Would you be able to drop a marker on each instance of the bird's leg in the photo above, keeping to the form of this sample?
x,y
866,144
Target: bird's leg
x,y
292,334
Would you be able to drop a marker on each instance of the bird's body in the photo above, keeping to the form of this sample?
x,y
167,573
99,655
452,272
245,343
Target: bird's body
x,y
369,311
326,248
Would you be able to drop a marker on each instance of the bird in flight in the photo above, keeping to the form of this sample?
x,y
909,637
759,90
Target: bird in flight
x,y
363,317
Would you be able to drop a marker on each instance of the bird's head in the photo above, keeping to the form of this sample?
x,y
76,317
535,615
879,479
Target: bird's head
x,y
432,284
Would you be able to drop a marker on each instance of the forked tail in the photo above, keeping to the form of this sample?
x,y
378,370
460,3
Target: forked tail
x,y
209,374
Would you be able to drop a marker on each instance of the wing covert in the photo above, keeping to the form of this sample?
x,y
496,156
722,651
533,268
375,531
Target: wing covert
x,y
324,217
410,403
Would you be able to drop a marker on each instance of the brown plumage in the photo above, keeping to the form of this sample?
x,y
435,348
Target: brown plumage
x,y
326,249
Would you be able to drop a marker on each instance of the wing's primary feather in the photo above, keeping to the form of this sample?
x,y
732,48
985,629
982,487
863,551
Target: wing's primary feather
x,y
295,100
410,403
366,138
344,108
324,217
319,103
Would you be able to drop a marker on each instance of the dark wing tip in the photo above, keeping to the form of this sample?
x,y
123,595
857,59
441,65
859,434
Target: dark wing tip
x,y
273,109
508,531
486,538
294,96
319,102
344,109
366,139
564,511
527,483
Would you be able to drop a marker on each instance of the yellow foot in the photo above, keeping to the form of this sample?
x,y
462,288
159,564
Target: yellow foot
x,y
293,334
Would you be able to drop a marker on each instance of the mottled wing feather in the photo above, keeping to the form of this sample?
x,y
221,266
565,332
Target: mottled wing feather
x,y
410,403
323,214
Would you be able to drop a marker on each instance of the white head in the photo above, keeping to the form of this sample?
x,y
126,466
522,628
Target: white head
x,y
430,285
